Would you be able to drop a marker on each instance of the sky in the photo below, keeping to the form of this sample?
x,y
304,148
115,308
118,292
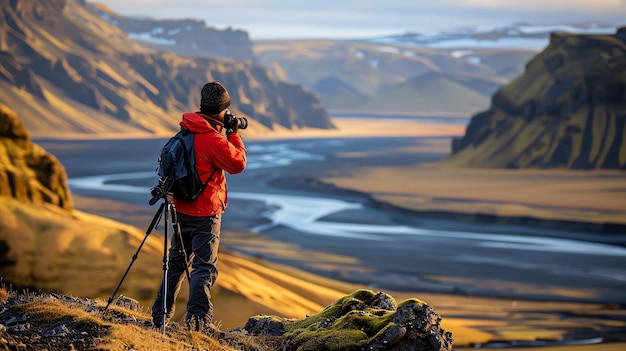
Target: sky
x,y
344,19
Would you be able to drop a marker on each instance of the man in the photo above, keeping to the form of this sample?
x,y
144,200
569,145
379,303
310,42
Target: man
x,y
200,219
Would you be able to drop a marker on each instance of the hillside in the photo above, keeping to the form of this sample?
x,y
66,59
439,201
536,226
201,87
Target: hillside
x,y
66,70
568,110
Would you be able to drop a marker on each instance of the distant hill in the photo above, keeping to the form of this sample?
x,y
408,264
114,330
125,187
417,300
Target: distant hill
x,y
391,65
63,69
568,110
336,92
362,71
458,93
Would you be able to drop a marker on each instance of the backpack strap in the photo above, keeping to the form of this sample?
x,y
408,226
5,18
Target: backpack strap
x,y
214,168
208,179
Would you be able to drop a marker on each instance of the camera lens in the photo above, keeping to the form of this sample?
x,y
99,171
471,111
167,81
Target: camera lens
x,y
243,122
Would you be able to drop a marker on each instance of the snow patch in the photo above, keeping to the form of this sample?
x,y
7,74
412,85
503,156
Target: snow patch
x,y
388,49
174,31
150,38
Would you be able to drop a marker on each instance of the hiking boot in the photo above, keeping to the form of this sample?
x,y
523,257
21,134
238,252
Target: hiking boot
x,y
203,325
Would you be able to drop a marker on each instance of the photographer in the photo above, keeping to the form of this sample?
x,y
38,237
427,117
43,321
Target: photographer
x,y
200,219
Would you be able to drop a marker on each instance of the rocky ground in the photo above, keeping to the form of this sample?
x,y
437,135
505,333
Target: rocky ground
x,y
363,320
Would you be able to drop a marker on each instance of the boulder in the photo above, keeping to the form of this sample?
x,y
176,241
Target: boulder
x,y
363,320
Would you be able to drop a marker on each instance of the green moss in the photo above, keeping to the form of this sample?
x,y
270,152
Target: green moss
x,y
370,323
354,322
351,331
410,301
609,139
331,340
598,127
340,327
331,311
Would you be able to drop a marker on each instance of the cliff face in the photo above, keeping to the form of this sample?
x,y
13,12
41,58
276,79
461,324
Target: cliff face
x,y
186,37
27,172
568,110
62,67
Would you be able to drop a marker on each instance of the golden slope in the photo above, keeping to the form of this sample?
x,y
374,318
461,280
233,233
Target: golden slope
x,y
86,255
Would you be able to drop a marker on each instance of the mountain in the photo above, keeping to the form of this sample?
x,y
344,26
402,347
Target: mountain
x,y
335,92
351,76
185,37
391,66
568,110
460,93
66,70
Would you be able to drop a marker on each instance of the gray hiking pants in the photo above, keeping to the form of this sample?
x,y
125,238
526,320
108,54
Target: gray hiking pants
x,y
201,238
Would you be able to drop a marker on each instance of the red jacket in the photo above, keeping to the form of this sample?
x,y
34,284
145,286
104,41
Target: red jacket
x,y
214,152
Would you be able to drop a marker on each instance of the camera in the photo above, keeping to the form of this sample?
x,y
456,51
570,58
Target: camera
x,y
160,190
231,121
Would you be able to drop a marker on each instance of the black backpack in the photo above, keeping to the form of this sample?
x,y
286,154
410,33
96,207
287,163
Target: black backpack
x,y
177,167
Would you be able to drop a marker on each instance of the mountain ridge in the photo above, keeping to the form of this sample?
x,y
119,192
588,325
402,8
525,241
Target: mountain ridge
x,y
59,59
187,37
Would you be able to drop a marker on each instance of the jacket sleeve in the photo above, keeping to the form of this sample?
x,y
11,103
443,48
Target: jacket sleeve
x,y
228,154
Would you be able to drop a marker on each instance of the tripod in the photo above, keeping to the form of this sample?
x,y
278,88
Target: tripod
x,y
166,210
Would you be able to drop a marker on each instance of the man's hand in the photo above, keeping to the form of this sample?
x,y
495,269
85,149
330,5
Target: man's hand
x,y
233,129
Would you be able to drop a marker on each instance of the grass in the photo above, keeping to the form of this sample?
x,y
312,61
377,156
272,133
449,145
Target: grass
x,y
83,324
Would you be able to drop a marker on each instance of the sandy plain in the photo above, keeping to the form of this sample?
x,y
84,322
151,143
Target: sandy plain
x,y
585,196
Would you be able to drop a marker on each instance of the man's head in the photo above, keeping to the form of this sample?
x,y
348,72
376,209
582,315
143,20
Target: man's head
x,y
214,99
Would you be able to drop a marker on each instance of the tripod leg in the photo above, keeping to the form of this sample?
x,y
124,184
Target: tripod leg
x,y
153,224
165,266
178,232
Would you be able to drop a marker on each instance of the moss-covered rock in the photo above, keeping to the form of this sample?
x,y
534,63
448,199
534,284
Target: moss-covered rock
x,y
363,320
568,110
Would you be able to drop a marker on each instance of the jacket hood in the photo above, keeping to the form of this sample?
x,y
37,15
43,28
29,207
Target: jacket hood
x,y
198,123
